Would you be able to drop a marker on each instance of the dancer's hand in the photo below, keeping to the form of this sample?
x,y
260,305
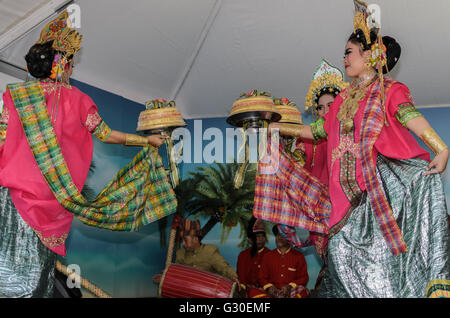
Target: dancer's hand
x,y
272,291
156,140
439,163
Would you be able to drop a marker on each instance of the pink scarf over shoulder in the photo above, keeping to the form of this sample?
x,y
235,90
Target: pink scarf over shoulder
x,y
19,172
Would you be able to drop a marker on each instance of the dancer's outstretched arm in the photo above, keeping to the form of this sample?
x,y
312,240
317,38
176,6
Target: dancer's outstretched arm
x,y
302,131
118,137
421,128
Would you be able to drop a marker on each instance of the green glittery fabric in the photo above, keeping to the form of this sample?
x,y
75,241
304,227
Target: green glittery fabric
x,y
27,267
359,262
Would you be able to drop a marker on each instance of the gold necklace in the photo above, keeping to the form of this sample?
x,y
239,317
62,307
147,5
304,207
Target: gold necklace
x,y
356,93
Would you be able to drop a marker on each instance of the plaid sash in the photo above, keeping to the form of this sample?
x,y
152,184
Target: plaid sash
x,y
287,193
139,194
371,126
318,240
291,195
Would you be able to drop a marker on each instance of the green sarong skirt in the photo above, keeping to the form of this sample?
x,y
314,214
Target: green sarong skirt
x,y
27,267
359,262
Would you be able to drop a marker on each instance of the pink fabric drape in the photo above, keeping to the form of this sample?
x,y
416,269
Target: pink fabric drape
x,y
19,172
394,141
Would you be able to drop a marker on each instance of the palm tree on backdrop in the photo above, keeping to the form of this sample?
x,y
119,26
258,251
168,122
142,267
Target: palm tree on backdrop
x,y
216,197
185,193
209,192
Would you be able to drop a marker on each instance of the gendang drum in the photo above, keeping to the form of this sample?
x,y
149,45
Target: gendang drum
x,y
180,281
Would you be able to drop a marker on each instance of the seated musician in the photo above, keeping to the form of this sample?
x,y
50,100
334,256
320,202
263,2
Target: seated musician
x,y
204,257
249,260
283,272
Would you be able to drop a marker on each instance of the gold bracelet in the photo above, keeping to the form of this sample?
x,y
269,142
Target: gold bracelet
x,y
293,130
433,141
135,140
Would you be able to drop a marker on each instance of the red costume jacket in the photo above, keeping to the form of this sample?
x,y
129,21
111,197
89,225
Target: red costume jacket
x,y
248,267
283,269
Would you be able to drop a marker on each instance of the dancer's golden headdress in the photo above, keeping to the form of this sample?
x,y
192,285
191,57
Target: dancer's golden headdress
x,y
360,20
326,77
65,38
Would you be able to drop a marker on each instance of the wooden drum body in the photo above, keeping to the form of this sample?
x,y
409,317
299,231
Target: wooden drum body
x,y
180,281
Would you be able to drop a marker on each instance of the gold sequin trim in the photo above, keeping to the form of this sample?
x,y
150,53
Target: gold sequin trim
x,y
50,87
346,144
102,131
52,241
4,123
92,121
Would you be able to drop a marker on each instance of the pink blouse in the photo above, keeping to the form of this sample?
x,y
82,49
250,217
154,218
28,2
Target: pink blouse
x,y
395,141
76,117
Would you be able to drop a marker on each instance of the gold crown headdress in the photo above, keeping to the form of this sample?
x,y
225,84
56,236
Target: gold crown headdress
x,y
378,59
65,38
360,19
328,77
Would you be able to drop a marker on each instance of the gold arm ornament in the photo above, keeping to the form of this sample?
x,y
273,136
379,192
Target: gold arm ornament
x,y
293,130
135,140
433,141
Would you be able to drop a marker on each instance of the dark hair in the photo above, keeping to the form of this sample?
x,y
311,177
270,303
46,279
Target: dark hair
x,y
275,230
40,60
358,37
393,49
393,52
250,224
326,91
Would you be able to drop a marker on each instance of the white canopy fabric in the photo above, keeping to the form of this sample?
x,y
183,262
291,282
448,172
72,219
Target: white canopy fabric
x,y
205,53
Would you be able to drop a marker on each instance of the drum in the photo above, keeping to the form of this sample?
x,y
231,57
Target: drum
x,y
180,281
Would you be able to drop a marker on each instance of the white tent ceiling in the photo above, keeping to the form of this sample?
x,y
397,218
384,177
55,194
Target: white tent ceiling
x,y
204,53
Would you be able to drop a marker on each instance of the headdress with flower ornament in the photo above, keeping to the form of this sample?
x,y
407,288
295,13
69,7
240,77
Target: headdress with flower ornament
x,y
65,38
362,21
363,24
325,78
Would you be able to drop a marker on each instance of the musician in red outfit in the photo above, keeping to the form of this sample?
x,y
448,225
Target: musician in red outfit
x,y
283,272
249,260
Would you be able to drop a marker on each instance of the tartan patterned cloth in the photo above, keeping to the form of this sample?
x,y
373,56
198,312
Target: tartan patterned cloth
x,y
286,193
299,292
290,234
318,240
139,194
371,126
